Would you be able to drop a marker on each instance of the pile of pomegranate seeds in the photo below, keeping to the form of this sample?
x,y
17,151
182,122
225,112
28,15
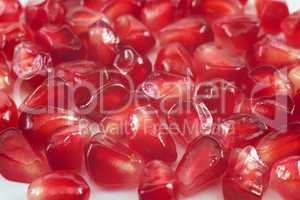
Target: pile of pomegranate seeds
x,y
164,96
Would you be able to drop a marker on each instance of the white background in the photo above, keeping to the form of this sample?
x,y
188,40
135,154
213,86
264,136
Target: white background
x,y
15,191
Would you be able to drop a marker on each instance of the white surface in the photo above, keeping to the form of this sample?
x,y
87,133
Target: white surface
x,y
14,191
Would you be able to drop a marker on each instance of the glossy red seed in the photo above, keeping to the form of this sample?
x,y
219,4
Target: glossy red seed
x,y
280,144
39,13
236,32
61,42
130,63
59,186
239,130
30,63
65,149
81,18
6,78
158,182
203,163
290,28
167,89
270,51
246,177
111,164
149,137
42,122
220,96
265,11
157,15
285,177
190,31
18,160
133,33
8,112
10,10
103,43
189,120
213,62
95,5
175,58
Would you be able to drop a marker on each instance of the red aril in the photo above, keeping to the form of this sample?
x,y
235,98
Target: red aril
x,y
166,89
8,112
81,18
280,144
133,33
111,164
157,15
189,31
149,137
133,65
61,42
65,149
290,28
175,58
203,163
236,32
59,186
189,120
10,10
158,182
95,5
246,177
39,13
240,130
285,177
103,43
19,161
6,78
30,63
213,62
271,20
40,123
271,51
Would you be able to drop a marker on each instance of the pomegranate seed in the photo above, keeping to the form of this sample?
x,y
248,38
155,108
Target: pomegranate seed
x,y
103,43
290,29
133,33
8,112
167,89
158,182
190,31
105,160
293,76
157,15
265,11
189,120
38,13
40,123
61,42
271,51
6,78
59,185
175,58
148,136
81,18
65,148
244,2
10,10
246,177
285,177
220,96
18,160
129,62
30,63
236,32
240,130
214,9
96,5
213,62
279,144
203,162
116,8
